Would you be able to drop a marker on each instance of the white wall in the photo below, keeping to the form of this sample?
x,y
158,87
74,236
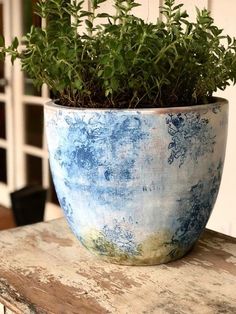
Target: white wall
x,y
224,214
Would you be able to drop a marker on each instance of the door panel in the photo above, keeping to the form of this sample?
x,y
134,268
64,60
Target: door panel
x,y
24,160
6,113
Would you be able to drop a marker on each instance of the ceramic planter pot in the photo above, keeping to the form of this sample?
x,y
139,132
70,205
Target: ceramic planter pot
x,y
137,186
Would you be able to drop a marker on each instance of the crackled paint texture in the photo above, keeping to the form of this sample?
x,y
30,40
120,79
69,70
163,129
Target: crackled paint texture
x,y
137,186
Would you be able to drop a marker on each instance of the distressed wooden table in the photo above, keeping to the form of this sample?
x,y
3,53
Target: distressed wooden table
x,y
44,269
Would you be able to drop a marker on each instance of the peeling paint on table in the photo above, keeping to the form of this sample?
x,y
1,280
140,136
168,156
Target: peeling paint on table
x,y
44,269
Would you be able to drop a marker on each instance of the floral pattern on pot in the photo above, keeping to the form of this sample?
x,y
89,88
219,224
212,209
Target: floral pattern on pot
x,y
194,210
191,135
137,186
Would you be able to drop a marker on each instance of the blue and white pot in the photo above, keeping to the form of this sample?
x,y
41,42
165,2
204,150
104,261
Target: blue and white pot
x,y
137,186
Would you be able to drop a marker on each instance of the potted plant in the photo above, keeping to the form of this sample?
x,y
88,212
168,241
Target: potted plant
x,y
135,136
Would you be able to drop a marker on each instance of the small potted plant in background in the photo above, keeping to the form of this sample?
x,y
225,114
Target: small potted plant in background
x,y
135,136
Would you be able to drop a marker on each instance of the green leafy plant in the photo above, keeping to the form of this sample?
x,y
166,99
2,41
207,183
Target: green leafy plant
x,y
122,61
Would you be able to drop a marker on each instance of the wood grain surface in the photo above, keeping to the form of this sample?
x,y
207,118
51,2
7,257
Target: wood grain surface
x,y
6,218
44,269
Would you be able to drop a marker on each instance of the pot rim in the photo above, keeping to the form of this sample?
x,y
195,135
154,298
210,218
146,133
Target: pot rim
x,y
217,101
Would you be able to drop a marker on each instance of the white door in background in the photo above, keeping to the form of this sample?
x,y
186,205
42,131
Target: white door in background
x,y
6,111
24,151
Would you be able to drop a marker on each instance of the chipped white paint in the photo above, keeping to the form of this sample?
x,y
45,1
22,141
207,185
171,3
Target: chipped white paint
x,y
44,269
